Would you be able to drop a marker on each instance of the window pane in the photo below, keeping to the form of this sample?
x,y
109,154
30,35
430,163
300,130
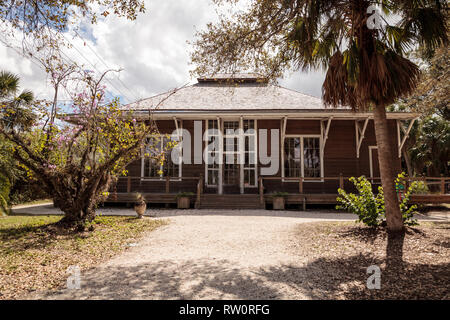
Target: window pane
x,y
230,125
212,124
158,160
249,177
213,177
292,157
230,174
312,157
249,124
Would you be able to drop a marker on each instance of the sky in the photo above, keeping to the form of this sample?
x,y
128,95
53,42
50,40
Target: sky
x,y
152,52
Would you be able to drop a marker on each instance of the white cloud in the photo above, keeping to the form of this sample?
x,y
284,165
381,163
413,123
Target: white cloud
x,y
152,51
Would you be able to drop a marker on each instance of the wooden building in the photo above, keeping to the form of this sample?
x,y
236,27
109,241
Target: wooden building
x,y
319,148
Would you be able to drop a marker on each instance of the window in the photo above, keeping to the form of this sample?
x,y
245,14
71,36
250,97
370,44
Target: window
x,y
238,149
292,157
302,157
157,161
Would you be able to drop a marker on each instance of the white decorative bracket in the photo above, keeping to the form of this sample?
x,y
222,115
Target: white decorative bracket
x,y
324,129
402,140
360,131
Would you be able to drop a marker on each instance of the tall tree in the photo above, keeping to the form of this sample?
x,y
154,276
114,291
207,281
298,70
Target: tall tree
x,y
363,53
13,111
75,161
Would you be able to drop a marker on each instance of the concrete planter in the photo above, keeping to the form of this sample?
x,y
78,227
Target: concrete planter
x,y
278,203
183,202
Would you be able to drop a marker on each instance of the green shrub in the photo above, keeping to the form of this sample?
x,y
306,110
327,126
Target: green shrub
x,y
185,194
5,187
280,194
370,207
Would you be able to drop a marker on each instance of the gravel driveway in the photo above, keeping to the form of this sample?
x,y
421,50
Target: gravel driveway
x,y
207,254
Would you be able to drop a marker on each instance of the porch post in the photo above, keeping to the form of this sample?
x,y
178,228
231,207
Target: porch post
x,y
283,134
241,154
220,183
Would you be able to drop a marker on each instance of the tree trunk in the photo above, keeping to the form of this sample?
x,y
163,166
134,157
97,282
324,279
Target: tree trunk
x,y
385,157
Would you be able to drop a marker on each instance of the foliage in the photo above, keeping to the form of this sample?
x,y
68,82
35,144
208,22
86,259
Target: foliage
x,y
280,194
31,15
431,152
429,144
364,66
370,208
185,194
431,95
76,161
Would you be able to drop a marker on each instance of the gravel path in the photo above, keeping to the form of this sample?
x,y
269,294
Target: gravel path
x,y
213,254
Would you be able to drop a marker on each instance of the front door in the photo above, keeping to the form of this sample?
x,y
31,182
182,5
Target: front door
x,y
231,167
239,142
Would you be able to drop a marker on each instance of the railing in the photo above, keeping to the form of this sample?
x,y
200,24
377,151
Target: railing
x,y
436,185
166,185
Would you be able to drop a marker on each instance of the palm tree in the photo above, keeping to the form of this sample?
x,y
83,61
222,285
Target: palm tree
x,y
365,54
14,109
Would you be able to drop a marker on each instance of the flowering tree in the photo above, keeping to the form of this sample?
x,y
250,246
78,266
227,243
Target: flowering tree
x,y
77,160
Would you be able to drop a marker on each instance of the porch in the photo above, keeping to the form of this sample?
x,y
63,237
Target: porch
x,y
300,191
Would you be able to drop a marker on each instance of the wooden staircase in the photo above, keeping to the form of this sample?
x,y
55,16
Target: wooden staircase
x,y
230,201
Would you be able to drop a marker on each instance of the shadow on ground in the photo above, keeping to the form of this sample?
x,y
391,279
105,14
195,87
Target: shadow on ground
x,y
342,278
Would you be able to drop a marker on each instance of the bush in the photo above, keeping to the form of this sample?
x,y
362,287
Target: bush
x,y
280,194
370,207
5,187
184,194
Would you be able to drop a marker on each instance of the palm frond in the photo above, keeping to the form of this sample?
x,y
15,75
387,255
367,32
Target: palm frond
x,y
9,84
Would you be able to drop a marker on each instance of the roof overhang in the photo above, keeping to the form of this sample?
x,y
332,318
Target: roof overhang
x,y
270,114
336,114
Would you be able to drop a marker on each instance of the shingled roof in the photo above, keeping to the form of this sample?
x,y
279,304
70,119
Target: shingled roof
x,y
230,93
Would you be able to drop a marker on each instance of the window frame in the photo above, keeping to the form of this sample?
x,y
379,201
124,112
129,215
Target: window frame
x,y
161,176
240,152
302,160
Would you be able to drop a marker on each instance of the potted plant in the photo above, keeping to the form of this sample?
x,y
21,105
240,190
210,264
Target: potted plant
x,y
140,205
184,200
279,200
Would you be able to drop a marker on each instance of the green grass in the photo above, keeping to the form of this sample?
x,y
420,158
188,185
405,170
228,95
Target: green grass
x,y
35,254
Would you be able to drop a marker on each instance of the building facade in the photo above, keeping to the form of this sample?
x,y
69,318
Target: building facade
x,y
262,138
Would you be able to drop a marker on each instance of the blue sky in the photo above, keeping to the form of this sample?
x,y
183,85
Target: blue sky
x,y
152,51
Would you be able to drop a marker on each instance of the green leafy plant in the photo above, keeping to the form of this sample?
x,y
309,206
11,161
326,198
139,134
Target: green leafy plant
x,y
370,208
184,194
5,187
280,194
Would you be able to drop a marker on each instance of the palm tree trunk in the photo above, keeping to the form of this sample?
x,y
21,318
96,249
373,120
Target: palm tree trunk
x,y
385,157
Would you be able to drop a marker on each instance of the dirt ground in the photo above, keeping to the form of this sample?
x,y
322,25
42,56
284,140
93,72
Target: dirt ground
x,y
259,254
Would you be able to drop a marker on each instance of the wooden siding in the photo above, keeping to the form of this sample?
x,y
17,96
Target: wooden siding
x,y
339,156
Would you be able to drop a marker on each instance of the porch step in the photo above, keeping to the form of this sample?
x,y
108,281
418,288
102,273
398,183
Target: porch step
x,y
230,201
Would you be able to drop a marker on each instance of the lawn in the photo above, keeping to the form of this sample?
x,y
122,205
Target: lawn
x,y
35,255
413,266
